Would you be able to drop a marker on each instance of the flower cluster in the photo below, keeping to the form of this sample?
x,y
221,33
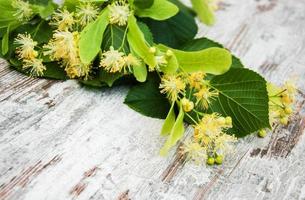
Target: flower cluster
x,y
119,13
174,86
115,61
281,100
210,141
27,53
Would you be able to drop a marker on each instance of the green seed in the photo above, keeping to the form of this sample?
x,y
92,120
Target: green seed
x,y
219,159
210,161
262,133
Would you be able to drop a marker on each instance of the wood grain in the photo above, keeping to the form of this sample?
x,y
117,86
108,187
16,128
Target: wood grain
x,y
59,140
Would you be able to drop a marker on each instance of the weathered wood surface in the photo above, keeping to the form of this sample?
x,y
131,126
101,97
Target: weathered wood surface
x,y
61,141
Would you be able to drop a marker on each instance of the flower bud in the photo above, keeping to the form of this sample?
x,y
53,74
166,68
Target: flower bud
x,y
187,105
284,120
219,159
228,121
152,50
262,133
210,161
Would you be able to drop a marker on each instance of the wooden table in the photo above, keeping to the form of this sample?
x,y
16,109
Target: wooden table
x,y
61,141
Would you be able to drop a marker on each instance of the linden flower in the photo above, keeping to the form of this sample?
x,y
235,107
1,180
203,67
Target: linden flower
x,y
212,125
86,13
23,10
112,60
210,133
172,85
119,13
63,20
194,151
196,79
161,61
130,61
26,47
35,66
204,96
281,100
63,46
78,69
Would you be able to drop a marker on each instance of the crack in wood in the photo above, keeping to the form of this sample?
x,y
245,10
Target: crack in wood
x,y
124,196
267,7
20,181
83,183
172,169
200,193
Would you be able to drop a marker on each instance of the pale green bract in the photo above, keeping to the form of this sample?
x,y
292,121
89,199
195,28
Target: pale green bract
x,y
92,36
176,133
138,43
169,121
213,60
160,10
203,11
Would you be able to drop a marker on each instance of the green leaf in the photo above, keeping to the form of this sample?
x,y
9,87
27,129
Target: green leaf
x,y
91,38
160,10
109,78
114,36
169,121
213,60
45,11
179,29
146,99
40,31
53,71
175,134
242,96
146,32
204,12
142,4
138,43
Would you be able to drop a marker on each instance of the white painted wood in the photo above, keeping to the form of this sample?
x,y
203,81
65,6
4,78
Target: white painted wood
x,y
59,140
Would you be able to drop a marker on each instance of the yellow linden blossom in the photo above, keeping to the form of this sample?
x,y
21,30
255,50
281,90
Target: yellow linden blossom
x,y
23,10
130,61
281,100
78,69
26,47
196,79
204,96
209,132
63,46
172,86
35,66
187,105
112,60
119,13
194,151
86,13
63,20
